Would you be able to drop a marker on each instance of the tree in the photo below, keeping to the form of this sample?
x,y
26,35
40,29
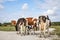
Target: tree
x,y
0,24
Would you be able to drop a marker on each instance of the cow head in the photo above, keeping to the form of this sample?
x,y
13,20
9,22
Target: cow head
x,y
42,19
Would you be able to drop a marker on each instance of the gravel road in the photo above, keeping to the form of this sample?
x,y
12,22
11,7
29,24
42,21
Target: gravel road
x,y
4,35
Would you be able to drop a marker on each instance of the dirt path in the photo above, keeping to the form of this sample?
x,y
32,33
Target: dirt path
x,y
14,36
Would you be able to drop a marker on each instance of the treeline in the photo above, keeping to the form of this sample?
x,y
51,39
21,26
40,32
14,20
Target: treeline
x,y
55,23
5,24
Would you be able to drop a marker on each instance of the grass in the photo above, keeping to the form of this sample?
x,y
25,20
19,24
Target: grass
x,y
57,31
12,28
7,28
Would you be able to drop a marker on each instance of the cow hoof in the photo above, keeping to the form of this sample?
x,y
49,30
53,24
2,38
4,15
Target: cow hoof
x,y
21,34
48,35
40,36
18,33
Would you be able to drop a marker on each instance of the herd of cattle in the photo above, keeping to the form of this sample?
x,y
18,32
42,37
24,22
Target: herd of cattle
x,y
24,26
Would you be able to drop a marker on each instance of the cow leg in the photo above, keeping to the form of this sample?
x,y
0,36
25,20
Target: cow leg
x,y
18,32
33,32
48,32
44,30
24,30
44,33
21,30
40,30
27,30
30,31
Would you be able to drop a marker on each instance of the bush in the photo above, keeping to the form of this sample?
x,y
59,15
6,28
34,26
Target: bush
x,y
5,24
55,23
0,24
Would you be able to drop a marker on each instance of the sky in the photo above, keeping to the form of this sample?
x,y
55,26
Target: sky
x,y
15,9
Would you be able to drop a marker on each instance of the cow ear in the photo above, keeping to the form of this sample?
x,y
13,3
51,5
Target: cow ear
x,y
39,16
38,20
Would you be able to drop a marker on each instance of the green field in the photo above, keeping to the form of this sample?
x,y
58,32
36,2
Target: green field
x,y
57,31
12,28
7,28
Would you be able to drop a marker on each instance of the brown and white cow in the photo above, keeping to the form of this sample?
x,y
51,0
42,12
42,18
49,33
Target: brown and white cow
x,y
32,24
25,25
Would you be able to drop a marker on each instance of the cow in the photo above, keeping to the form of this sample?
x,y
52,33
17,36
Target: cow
x,y
20,26
44,24
26,25
31,24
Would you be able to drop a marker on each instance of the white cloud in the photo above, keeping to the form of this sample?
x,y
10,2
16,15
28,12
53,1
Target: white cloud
x,y
2,1
47,4
25,6
51,11
50,7
11,0
1,6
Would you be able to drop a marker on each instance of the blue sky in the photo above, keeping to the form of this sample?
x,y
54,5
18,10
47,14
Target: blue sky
x,y
15,9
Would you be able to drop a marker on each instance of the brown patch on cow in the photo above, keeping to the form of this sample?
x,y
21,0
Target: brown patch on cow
x,y
30,22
